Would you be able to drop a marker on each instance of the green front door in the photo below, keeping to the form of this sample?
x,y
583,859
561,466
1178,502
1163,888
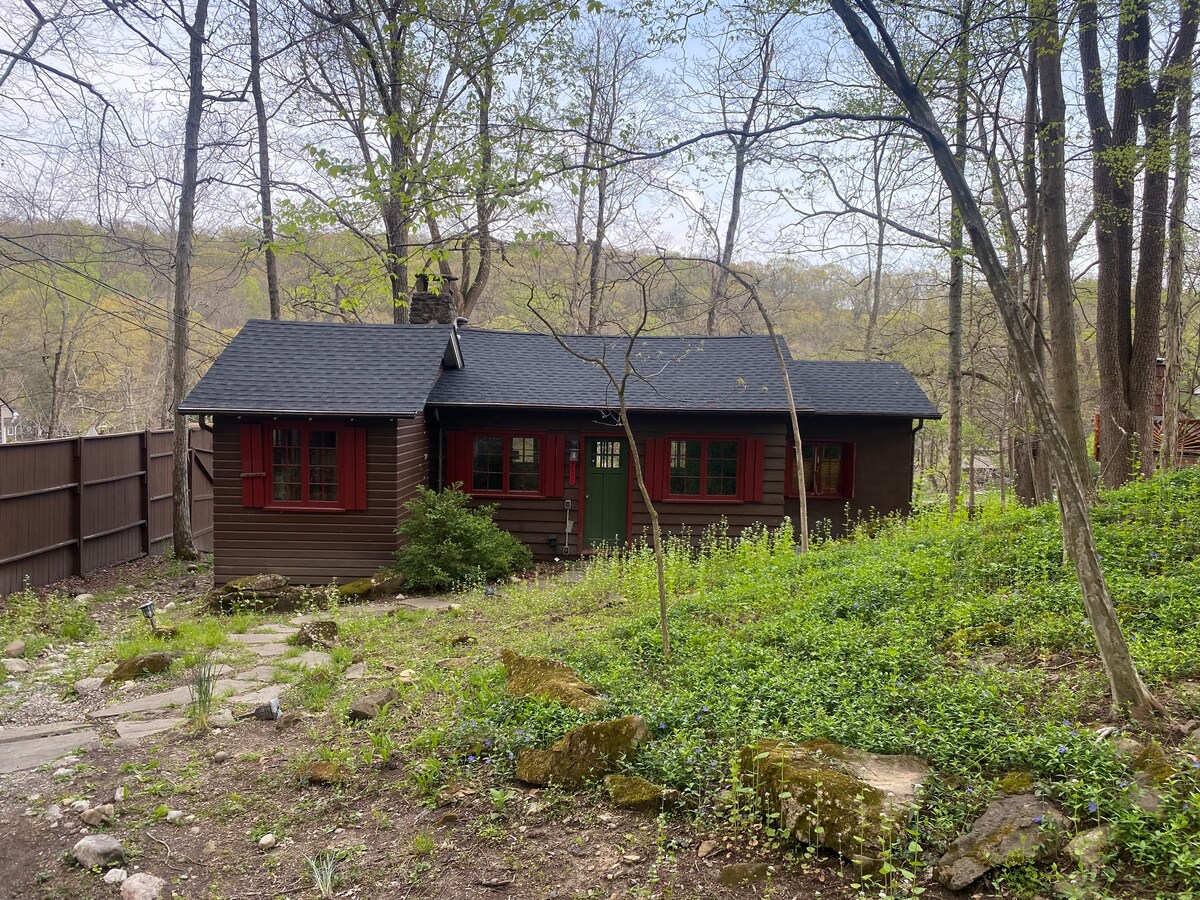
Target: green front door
x,y
605,492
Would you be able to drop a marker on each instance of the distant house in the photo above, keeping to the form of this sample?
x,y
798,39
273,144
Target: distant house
x,y
323,431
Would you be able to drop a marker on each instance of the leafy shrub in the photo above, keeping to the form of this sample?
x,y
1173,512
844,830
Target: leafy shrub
x,y
447,544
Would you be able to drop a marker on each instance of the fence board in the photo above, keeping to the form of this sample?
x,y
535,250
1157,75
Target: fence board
x,y
73,505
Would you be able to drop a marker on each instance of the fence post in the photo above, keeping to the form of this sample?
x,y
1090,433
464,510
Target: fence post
x,y
146,493
79,532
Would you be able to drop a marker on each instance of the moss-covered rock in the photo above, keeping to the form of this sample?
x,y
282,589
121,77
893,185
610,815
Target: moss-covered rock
x,y
254,583
378,585
549,679
318,633
1012,831
144,664
829,795
321,772
636,793
1016,783
587,752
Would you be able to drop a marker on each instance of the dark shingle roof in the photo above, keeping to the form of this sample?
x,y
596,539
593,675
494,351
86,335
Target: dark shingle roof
x,y
507,368
325,367
860,389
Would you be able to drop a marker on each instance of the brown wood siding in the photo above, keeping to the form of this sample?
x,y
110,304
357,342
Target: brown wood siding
x,y
535,520
315,547
883,469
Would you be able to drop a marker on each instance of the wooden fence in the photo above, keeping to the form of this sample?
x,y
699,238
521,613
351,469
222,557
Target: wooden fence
x,y
73,505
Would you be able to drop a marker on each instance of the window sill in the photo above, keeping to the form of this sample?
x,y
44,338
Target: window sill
x,y
304,507
508,495
728,501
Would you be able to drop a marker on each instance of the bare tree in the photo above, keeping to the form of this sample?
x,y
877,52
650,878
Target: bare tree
x,y
1173,310
264,162
1129,693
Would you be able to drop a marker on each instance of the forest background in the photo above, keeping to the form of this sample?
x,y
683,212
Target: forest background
x,y
583,167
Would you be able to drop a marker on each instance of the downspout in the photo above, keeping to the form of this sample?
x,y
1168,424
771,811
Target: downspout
x,y
913,454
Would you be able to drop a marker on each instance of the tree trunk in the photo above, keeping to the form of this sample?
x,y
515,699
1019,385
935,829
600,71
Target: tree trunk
x,y
181,520
1128,691
954,312
264,165
721,286
1056,260
1175,259
595,274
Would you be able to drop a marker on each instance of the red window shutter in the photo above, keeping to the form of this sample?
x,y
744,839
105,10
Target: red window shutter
x,y
458,460
657,467
254,467
552,465
751,470
847,471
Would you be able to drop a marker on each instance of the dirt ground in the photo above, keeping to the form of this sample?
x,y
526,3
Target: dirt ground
x,y
234,785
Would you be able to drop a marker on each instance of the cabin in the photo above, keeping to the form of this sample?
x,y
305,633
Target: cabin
x,y
322,432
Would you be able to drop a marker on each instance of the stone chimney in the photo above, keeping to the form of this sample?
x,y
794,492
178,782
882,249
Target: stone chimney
x,y
428,308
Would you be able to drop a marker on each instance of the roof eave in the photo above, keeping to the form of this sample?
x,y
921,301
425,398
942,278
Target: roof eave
x,y
332,413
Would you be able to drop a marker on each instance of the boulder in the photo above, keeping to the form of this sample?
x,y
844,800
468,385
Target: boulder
x,y
143,886
584,753
369,706
144,664
378,585
85,686
549,679
253,584
1012,831
320,633
828,795
321,773
638,794
15,649
1088,848
16,666
115,876
744,873
99,850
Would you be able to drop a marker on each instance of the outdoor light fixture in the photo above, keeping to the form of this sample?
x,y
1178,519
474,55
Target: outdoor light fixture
x,y
573,460
147,611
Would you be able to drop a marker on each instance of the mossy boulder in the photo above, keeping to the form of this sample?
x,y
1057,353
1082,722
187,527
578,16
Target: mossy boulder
x,y
829,795
636,793
585,753
252,584
378,585
1020,782
321,772
977,636
548,679
143,664
1088,848
318,633
1012,831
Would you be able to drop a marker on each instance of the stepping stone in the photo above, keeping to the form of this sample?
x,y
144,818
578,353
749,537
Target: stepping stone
x,y
268,651
35,745
180,696
258,673
311,659
252,639
276,628
259,696
431,604
135,731
356,672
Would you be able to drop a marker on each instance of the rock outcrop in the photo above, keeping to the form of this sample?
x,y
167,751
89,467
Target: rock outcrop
x,y
1012,831
636,793
828,795
548,679
145,664
587,752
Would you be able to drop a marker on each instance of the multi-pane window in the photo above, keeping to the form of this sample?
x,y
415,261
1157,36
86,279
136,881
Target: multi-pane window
x,y
304,465
606,455
506,464
704,468
824,473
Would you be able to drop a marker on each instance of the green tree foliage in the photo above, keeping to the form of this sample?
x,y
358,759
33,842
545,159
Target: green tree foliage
x,y
448,544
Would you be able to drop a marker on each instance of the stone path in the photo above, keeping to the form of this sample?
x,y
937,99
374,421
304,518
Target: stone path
x,y
37,745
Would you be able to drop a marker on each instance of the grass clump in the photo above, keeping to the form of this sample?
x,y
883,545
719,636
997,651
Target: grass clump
x,y
447,544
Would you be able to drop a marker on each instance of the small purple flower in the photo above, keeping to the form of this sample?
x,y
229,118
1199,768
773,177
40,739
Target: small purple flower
x,y
1061,749
470,759
1037,820
970,790
1092,806
662,725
